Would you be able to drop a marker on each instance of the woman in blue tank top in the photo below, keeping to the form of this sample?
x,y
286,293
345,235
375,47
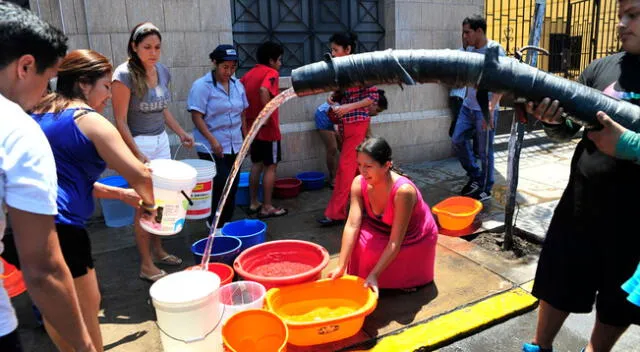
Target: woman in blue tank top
x,y
83,144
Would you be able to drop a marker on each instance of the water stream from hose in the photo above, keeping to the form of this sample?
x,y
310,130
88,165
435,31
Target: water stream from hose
x,y
262,118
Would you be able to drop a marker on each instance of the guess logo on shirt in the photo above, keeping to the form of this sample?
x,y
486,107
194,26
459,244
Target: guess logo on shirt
x,y
155,100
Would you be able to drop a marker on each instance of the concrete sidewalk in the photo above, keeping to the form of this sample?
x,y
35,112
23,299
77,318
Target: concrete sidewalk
x,y
468,278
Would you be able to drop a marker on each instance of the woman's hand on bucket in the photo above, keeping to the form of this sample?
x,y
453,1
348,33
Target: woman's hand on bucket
x,y
216,148
336,273
372,283
187,140
130,197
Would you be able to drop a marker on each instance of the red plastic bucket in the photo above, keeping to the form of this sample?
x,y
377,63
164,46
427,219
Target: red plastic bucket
x,y
282,263
224,272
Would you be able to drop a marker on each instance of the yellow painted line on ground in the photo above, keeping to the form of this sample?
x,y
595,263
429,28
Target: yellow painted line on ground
x,y
527,286
437,332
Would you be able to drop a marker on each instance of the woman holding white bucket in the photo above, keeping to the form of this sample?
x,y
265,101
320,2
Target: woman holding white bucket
x,y
83,144
217,102
141,99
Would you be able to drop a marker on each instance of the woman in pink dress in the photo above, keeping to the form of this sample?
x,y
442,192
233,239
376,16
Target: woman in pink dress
x,y
390,235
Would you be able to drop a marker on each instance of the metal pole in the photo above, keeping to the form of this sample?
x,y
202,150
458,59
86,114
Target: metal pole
x,y
517,131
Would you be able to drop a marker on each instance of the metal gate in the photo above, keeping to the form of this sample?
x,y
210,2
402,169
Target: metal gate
x,y
303,27
575,31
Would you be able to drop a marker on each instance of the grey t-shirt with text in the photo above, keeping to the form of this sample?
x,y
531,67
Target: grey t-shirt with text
x,y
144,115
470,101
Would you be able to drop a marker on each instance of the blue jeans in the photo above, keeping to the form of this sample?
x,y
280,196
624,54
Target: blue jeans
x,y
469,124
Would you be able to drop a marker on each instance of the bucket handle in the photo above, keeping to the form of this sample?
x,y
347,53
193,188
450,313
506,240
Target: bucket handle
x,y
200,144
174,158
195,339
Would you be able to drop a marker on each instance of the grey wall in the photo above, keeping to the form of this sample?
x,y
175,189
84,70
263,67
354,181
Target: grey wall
x,y
416,124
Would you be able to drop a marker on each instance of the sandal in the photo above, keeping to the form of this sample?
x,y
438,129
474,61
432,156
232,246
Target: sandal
x,y
169,259
252,211
153,278
275,212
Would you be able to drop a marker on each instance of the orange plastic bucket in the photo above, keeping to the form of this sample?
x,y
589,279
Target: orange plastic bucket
x,y
255,330
323,311
12,279
457,213
224,272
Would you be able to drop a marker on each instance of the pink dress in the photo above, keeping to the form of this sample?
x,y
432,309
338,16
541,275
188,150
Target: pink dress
x,y
413,266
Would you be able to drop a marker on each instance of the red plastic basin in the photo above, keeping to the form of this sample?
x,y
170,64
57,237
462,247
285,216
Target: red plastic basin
x,y
224,272
282,263
287,188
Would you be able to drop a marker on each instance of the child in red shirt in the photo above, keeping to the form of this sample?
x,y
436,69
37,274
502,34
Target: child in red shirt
x,y
261,85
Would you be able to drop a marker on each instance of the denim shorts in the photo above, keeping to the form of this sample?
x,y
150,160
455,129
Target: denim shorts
x,y
322,119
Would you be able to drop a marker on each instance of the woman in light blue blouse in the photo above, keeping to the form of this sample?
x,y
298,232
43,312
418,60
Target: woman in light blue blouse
x,y
217,102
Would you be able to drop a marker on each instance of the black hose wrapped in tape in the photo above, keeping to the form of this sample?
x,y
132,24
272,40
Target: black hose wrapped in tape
x,y
456,68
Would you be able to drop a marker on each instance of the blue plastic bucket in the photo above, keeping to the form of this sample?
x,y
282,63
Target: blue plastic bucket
x,y
224,249
251,232
243,197
311,180
116,212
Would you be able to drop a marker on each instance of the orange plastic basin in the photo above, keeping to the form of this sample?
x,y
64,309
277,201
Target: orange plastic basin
x,y
457,213
255,330
322,311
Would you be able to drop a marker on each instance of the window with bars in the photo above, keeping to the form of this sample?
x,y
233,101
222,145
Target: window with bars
x,y
303,27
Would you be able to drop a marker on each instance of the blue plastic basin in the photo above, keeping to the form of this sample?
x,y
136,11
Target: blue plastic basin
x,y
311,180
251,232
224,249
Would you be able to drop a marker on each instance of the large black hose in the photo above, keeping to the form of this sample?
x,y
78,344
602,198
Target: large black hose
x,y
456,68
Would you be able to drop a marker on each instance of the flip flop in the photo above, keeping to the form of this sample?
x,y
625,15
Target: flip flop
x,y
273,213
153,278
169,259
251,211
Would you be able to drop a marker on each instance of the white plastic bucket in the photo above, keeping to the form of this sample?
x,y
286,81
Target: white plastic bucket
x,y
201,193
188,311
240,295
173,182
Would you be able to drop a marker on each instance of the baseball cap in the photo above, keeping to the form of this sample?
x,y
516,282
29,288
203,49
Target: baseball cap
x,y
224,52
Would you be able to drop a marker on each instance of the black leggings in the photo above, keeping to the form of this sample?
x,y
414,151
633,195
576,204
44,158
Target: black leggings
x,y
223,169
10,342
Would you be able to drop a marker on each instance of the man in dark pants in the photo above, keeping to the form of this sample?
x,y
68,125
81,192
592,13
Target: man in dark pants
x,y
471,121
592,245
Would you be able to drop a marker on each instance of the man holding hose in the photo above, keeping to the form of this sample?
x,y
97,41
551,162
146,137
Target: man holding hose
x,y
592,245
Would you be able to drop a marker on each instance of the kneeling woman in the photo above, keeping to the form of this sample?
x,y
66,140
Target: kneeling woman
x,y
390,235
83,144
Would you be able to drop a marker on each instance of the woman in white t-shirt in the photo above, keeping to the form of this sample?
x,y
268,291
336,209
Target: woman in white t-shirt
x,y
141,99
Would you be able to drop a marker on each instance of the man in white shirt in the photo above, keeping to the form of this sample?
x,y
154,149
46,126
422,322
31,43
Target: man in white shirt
x,y
30,51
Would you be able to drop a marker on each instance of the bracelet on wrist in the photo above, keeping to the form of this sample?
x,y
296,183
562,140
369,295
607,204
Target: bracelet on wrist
x,y
147,207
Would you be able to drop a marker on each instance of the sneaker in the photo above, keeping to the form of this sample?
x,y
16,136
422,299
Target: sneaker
x,y
529,347
471,187
480,195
